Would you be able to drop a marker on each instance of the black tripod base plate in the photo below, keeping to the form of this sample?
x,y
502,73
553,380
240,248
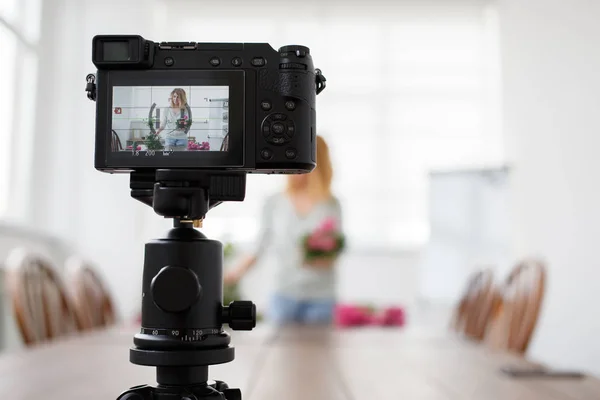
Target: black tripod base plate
x,y
171,358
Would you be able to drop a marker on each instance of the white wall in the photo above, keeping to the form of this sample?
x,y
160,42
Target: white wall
x,y
551,74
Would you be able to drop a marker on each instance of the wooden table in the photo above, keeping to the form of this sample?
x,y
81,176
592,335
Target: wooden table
x,y
294,364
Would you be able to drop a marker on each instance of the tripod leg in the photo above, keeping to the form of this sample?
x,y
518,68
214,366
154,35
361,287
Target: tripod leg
x,y
217,391
142,392
230,394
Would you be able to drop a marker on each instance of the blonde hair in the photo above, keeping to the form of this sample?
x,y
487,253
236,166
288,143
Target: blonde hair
x,y
319,179
182,97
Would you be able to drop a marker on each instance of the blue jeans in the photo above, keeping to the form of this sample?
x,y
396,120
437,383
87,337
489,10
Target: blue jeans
x,y
286,310
176,142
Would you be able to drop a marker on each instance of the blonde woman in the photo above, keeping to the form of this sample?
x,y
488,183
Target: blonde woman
x,y
177,110
304,292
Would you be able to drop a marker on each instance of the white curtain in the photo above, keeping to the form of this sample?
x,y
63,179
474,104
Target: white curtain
x,y
19,37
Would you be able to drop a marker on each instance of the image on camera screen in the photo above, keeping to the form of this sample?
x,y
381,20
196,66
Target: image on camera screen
x,y
171,119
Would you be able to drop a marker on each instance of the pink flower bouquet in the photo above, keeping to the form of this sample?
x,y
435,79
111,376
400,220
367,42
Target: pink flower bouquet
x,y
350,315
325,242
198,146
184,123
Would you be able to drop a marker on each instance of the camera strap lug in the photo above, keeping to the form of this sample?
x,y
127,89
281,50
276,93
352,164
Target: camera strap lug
x,y
320,79
90,87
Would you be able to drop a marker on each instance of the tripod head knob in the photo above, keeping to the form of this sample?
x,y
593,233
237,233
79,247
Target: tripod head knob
x,y
240,315
175,289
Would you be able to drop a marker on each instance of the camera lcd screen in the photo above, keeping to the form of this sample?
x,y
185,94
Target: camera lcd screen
x,y
170,119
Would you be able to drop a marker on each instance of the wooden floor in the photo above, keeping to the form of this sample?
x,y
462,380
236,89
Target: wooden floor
x,y
294,364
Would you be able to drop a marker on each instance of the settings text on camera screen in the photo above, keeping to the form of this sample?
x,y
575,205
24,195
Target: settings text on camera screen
x,y
170,119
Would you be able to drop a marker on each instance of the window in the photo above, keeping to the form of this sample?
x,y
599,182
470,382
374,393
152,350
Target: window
x,y
410,88
19,34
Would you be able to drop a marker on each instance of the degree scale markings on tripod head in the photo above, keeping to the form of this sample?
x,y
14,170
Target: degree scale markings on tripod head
x,y
185,335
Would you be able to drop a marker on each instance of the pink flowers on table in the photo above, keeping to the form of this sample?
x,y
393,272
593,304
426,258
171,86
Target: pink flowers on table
x,y
325,242
198,146
355,315
137,147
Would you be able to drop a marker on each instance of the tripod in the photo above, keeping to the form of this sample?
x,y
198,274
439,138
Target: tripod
x,y
182,289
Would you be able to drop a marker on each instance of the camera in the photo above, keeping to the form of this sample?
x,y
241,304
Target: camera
x,y
235,107
189,120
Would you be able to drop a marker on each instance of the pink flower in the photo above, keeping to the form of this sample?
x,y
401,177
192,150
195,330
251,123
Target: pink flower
x,y
138,148
328,225
314,242
350,315
393,316
185,117
328,243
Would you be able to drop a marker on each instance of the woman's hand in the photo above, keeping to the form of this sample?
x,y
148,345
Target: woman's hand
x,y
233,277
321,262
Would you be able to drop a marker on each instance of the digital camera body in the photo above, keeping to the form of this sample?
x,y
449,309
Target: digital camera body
x,y
204,106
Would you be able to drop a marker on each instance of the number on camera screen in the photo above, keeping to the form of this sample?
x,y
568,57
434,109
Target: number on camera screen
x,y
170,119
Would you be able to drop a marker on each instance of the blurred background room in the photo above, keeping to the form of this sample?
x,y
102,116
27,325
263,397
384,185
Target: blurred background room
x,y
463,136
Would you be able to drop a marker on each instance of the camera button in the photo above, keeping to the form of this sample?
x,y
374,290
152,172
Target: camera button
x,y
236,61
265,105
291,129
290,105
278,128
259,62
266,154
278,140
169,61
290,153
279,117
266,130
215,61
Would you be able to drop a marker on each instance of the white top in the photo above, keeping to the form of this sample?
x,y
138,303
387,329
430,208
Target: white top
x,y
281,231
168,122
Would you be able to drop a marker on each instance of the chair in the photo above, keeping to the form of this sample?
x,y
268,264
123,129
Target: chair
x,y
93,304
517,314
225,143
115,143
42,308
475,309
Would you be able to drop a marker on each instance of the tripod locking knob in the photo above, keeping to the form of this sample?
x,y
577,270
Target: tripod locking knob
x,y
240,315
175,289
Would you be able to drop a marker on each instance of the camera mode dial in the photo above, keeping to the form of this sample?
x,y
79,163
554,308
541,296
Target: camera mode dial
x,y
300,51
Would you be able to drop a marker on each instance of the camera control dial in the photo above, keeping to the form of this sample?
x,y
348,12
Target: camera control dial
x,y
300,51
175,289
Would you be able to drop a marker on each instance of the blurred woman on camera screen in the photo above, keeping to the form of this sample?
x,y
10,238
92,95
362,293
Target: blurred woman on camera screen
x,y
305,287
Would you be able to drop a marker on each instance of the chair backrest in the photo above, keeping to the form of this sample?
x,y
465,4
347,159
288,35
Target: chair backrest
x,y
225,143
475,309
42,308
93,303
517,314
115,143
